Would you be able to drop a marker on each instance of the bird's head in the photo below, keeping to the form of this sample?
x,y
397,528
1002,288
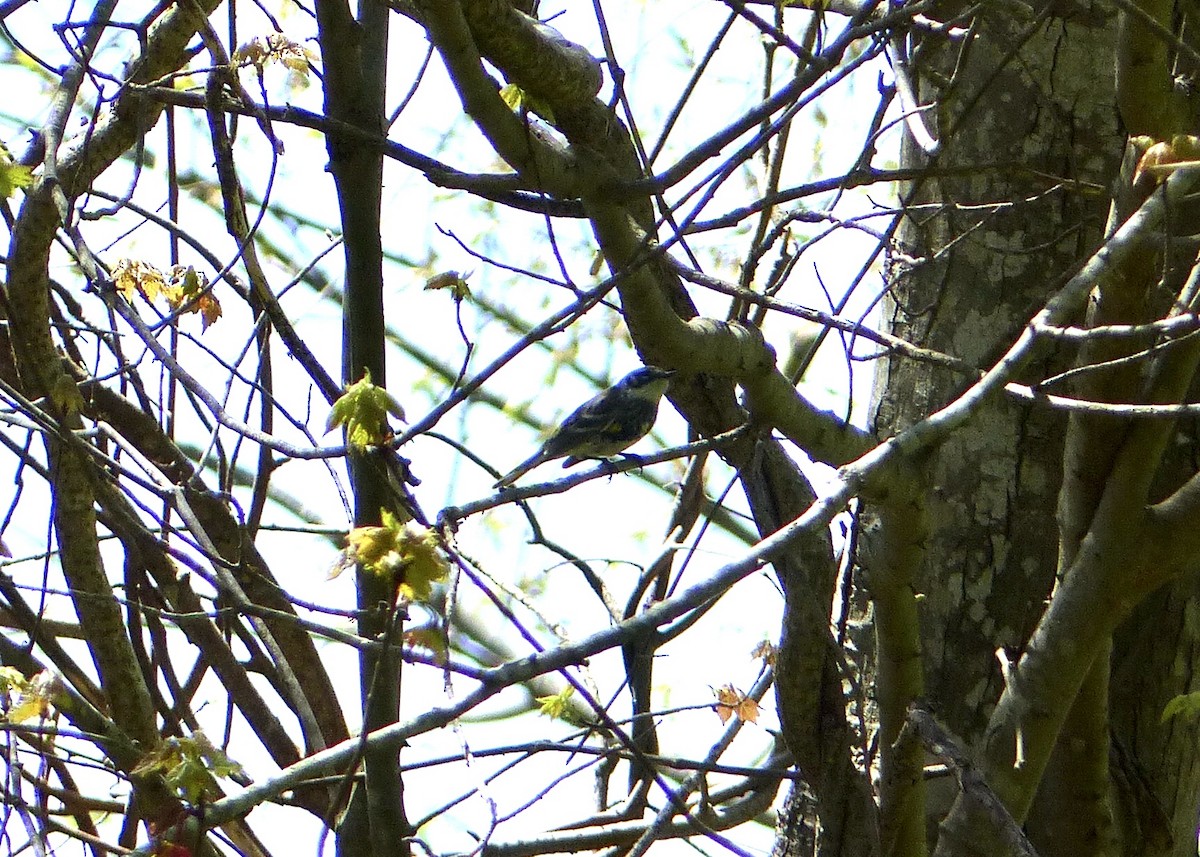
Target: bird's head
x,y
649,382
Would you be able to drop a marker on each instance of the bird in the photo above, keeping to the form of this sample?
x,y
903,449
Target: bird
x,y
605,425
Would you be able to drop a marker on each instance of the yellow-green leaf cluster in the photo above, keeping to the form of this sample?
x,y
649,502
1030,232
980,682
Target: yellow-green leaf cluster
x,y
1187,705
1162,158
406,552
452,280
13,685
134,277
11,679
731,702
261,52
518,101
363,410
185,289
12,174
765,652
429,638
190,765
66,396
558,705
30,698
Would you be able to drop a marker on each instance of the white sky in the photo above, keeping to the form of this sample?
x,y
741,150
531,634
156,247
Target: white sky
x,y
657,43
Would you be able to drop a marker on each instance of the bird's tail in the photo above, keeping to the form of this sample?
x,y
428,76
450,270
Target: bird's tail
x,y
521,469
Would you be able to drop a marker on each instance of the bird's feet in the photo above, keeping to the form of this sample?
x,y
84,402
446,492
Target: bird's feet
x,y
624,456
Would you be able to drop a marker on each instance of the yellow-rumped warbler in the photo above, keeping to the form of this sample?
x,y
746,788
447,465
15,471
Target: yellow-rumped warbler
x,y
603,426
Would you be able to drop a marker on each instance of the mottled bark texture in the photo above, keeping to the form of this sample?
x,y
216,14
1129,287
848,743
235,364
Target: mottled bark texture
x,y
1015,198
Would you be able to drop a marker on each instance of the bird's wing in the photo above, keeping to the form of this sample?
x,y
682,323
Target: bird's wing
x,y
588,418
563,441
607,430
596,429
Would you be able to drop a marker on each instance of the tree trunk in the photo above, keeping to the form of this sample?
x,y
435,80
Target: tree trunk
x,y
1013,200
